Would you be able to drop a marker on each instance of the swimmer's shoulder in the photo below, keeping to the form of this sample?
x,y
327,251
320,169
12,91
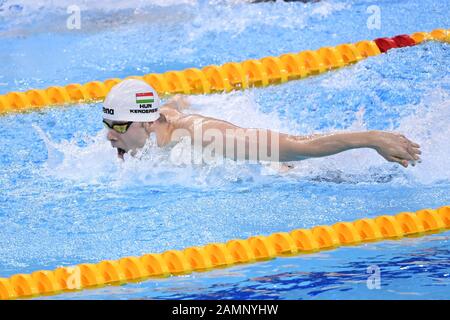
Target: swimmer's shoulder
x,y
170,113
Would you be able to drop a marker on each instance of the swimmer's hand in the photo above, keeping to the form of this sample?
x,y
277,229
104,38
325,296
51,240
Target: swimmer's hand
x,y
395,147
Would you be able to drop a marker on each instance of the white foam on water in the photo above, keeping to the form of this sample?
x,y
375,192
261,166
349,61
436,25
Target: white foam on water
x,y
21,17
237,16
11,7
67,160
325,8
429,126
198,17
239,108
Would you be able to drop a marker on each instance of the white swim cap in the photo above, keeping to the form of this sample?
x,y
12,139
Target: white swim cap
x,y
131,100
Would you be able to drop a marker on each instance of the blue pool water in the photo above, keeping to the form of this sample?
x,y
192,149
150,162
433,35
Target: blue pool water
x,y
65,199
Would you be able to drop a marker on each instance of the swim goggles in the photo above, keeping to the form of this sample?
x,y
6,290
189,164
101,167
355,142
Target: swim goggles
x,y
118,127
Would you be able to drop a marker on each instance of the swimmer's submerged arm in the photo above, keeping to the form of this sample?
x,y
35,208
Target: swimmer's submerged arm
x,y
391,146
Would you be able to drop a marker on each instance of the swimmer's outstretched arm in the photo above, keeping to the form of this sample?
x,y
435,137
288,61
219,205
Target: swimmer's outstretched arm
x,y
393,147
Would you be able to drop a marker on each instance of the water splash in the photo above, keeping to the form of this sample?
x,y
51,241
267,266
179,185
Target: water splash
x,y
89,164
25,16
160,167
429,126
55,157
198,18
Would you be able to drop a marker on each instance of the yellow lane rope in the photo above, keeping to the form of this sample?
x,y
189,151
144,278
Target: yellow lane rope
x,y
229,76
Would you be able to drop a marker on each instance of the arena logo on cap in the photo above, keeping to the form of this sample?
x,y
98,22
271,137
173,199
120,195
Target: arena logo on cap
x,y
108,111
145,99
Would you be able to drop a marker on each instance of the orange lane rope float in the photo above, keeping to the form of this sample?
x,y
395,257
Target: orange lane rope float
x,y
227,77
218,255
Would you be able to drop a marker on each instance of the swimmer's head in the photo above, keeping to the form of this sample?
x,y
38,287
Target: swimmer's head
x,y
129,111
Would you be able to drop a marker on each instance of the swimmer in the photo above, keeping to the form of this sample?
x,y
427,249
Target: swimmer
x,y
132,112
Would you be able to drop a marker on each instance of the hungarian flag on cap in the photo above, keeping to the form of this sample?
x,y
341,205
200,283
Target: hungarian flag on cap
x,y
145,97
